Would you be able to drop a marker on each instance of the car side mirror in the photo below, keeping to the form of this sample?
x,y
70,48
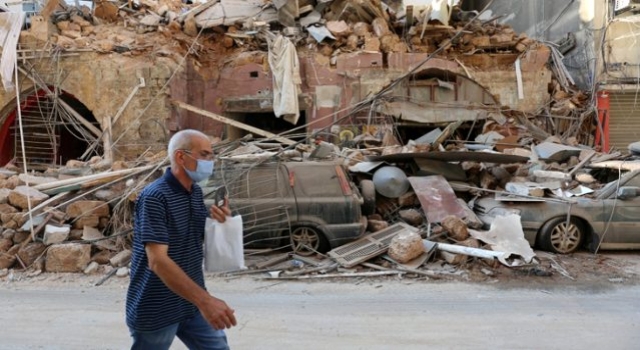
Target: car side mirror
x,y
627,192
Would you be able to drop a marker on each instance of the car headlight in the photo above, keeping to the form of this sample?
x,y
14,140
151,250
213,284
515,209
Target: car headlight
x,y
503,211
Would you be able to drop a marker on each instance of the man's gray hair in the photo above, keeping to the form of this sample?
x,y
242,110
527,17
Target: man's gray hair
x,y
183,139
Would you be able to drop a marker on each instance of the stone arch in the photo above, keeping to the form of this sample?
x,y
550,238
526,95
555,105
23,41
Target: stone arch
x,y
51,135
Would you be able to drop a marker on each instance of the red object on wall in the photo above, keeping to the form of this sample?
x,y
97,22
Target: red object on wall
x,y
602,132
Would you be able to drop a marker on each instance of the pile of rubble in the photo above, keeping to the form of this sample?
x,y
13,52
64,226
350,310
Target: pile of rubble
x,y
73,218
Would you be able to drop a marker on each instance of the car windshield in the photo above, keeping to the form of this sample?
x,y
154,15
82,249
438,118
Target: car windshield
x,y
610,187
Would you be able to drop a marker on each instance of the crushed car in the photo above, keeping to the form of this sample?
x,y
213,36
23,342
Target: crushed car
x,y
609,219
311,205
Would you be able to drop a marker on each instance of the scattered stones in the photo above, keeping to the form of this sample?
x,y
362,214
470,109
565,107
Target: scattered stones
x,y
455,227
121,259
91,268
406,246
68,257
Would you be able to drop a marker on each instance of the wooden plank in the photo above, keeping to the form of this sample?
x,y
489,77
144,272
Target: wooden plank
x,y
232,122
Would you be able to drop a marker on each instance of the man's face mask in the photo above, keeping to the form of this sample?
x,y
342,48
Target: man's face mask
x,y
204,169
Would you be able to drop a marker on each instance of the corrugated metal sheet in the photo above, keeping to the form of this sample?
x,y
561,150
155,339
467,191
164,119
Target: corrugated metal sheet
x,y
624,125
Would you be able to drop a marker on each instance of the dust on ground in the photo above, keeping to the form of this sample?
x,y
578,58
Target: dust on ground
x,y
582,269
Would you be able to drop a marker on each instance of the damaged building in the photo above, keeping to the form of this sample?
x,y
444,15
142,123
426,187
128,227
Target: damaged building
x,y
92,95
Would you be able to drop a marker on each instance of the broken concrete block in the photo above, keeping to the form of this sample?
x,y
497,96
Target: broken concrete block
x,y
122,272
408,199
63,25
380,27
102,257
73,34
190,27
72,257
8,234
5,244
86,221
7,208
361,29
338,28
481,41
54,234
371,44
20,236
150,21
21,194
456,228
30,252
9,258
91,268
406,246
525,189
412,217
121,259
80,208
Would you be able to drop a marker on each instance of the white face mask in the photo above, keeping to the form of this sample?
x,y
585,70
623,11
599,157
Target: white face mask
x,y
204,169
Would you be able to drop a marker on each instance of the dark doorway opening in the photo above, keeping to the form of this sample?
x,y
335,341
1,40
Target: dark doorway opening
x,y
51,135
268,122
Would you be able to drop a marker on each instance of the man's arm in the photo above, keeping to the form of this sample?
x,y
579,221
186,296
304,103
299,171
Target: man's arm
x,y
214,310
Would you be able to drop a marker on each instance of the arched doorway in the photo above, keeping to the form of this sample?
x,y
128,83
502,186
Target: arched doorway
x,y
51,135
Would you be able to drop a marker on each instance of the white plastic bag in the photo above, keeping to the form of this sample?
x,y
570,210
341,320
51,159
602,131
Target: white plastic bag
x,y
223,250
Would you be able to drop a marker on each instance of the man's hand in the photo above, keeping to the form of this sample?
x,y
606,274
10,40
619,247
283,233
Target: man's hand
x,y
220,213
218,313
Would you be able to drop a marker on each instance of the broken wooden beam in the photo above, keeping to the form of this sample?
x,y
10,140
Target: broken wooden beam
x,y
232,122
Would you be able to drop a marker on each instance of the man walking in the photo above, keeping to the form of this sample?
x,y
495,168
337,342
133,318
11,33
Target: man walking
x,y
167,295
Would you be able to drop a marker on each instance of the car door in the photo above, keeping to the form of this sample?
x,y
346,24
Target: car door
x,y
624,228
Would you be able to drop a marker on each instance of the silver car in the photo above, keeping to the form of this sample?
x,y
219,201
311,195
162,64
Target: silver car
x,y
610,219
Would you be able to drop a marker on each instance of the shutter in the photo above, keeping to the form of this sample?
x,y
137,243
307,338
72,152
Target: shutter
x,y
624,123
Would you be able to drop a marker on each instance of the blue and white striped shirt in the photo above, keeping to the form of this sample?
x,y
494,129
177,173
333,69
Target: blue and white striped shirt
x,y
165,213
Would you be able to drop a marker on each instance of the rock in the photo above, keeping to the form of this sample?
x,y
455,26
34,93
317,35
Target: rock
x,y
18,197
190,27
338,28
86,221
12,182
371,44
409,199
470,242
8,258
501,38
63,25
406,246
75,235
8,234
411,216
122,272
72,163
453,259
228,42
481,41
105,45
102,257
352,42
4,195
121,259
72,257
105,195
30,252
361,29
21,236
377,225
54,234
4,272
380,27
82,42
88,30
7,209
91,268
5,244
73,34
81,208
73,27
119,165
585,178
456,228
80,21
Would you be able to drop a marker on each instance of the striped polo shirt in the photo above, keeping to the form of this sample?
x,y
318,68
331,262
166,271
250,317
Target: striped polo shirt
x,y
165,213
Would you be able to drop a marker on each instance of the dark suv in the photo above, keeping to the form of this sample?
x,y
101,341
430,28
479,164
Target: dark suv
x,y
314,206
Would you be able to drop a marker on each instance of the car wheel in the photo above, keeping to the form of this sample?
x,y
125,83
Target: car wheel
x,y
306,241
368,192
558,237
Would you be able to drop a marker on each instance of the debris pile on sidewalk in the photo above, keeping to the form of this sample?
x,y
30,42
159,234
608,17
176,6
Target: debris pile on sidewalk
x,y
80,214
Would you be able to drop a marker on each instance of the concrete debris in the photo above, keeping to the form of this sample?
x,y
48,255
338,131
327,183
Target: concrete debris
x,y
406,246
68,257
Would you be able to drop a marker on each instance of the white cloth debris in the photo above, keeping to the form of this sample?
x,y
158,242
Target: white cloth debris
x,y
10,25
285,67
506,235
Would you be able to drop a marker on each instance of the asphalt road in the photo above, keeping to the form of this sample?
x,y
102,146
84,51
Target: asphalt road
x,y
383,314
